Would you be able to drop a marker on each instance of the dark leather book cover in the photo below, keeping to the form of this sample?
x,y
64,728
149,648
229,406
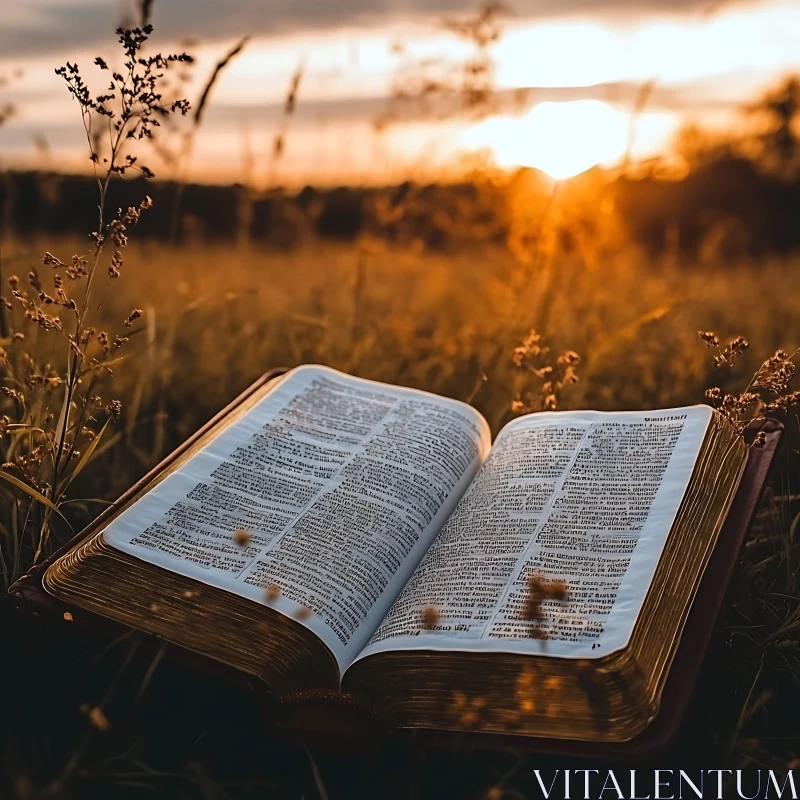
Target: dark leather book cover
x,y
327,717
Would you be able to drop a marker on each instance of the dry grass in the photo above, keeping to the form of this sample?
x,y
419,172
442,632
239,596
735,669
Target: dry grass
x,y
54,360
215,317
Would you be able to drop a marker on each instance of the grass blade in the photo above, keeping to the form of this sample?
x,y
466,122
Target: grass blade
x,y
84,459
198,114
29,490
63,417
320,786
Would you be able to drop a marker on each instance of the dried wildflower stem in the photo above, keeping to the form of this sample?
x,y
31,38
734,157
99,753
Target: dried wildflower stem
x,y
289,108
5,332
532,357
130,121
189,136
542,267
748,407
437,88
45,445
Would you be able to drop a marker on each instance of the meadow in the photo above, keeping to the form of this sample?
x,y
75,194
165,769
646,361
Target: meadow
x,y
216,316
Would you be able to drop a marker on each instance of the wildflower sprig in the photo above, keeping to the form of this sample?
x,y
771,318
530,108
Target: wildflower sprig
x,y
52,413
767,392
532,357
725,355
132,104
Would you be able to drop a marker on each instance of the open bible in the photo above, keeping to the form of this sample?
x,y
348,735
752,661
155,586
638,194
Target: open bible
x,y
333,533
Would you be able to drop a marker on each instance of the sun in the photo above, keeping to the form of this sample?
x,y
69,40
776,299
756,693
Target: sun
x,y
569,138
562,139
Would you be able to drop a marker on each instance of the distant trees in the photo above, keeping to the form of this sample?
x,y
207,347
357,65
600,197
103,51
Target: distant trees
x,y
777,118
770,137
698,146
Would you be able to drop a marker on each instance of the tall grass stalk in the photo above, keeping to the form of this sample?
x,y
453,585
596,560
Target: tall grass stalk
x,y
188,138
54,358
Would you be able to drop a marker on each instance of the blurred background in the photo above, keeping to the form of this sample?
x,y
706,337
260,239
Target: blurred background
x,y
557,86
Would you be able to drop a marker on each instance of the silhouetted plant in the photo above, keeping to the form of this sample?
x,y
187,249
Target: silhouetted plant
x,y
52,415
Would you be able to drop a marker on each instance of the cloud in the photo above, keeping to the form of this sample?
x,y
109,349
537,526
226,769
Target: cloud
x,y
39,27
282,16
698,96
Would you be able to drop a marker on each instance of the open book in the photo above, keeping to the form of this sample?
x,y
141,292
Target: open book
x,y
336,532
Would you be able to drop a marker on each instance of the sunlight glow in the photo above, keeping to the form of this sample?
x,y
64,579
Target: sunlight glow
x,y
588,68
560,53
561,139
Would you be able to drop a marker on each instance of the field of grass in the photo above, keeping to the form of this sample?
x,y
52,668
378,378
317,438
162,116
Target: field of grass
x,y
215,317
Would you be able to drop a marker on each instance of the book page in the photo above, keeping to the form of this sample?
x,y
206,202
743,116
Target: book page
x,y
341,485
587,498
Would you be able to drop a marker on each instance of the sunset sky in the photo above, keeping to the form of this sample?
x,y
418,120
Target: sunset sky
x,y
583,63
